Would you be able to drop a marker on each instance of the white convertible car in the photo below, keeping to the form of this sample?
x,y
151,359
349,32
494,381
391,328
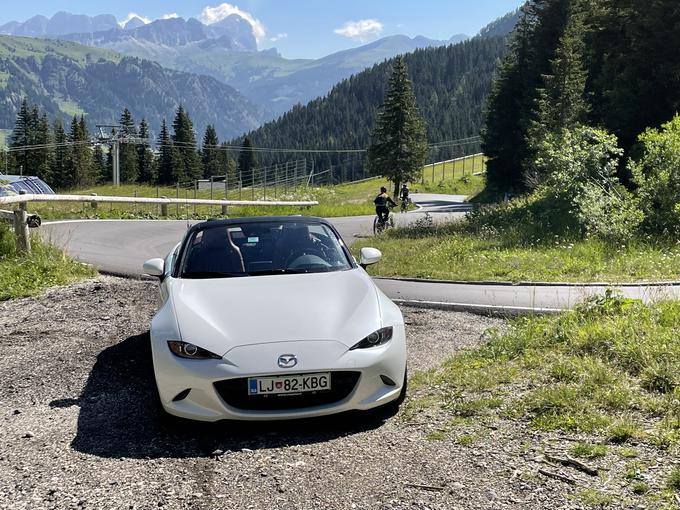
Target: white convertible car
x,y
272,318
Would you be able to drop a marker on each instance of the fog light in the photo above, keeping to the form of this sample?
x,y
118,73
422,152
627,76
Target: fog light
x,y
181,395
387,380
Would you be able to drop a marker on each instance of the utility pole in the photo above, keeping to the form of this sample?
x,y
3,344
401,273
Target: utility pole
x,y
114,138
116,162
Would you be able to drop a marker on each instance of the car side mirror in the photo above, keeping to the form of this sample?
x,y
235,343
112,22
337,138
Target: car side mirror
x,y
154,267
368,256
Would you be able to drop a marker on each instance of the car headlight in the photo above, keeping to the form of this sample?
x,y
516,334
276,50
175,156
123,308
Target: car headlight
x,y
190,351
382,336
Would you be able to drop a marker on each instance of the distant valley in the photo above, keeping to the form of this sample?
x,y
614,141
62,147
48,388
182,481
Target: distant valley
x,y
227,51
95,66
67,79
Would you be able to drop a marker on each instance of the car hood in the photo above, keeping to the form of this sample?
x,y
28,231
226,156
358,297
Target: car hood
x,y
220,314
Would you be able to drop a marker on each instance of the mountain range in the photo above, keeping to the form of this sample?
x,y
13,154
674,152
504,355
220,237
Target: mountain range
x,y
451,84
61,23
66,78
226,50
70,67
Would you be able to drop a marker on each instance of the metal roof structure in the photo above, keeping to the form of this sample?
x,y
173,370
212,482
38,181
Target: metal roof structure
x,y
26,183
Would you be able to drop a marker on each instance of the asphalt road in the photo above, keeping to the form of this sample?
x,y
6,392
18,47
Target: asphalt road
x,y
121,246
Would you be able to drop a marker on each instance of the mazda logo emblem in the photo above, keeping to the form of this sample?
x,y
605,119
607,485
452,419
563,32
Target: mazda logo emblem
x,y
287,360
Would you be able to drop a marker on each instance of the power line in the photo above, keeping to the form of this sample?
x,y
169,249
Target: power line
x,y
232,148
46,146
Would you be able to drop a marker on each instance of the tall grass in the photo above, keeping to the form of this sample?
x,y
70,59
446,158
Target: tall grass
x,y
610,368
456,251
47,266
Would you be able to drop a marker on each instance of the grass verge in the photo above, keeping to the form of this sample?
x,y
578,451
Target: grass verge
x,y
22,276
449,252
611,368
602,382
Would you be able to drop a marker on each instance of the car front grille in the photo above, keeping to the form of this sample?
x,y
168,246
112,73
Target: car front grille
x,y
234,392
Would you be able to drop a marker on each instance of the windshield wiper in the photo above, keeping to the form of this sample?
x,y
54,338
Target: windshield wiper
x,y
265,272
212,274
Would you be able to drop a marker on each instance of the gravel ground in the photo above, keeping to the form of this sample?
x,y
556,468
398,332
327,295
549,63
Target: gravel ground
x,y
81,427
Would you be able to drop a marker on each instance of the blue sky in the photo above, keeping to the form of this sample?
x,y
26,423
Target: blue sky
x,y
300,28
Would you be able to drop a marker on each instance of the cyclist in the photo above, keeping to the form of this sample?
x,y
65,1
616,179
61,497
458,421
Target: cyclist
x,y
403,196
382,203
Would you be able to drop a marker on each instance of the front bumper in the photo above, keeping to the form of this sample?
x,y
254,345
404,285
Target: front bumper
x,y
208,380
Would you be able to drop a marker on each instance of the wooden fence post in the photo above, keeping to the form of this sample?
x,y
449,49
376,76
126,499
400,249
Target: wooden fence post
x,y
93,204
21,230
164,209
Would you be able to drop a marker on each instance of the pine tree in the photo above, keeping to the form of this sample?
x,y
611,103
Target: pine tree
x,y
59,172
503,132
246,163
399,143
228,166
21,138
99,165
80,165
210,155
511,109
166,171
184,142
42,157
145,159
562,103
129,165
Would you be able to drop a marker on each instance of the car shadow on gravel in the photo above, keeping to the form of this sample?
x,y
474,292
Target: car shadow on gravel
x,y
120,416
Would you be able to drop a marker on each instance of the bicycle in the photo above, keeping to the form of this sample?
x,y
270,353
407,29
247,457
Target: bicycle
x,y
405,203
380,224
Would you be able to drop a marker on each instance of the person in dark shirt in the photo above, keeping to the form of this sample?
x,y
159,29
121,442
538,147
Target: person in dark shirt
x,y
404,192
382,203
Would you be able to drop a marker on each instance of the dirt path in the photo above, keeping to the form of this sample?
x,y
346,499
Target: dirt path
x,y
81,428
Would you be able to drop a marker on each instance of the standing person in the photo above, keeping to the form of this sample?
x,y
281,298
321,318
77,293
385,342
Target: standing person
x,y
382,202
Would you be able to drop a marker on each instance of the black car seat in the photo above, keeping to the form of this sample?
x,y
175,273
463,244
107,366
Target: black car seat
x,y
215,253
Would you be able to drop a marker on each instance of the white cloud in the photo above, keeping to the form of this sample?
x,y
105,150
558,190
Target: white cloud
x,y
134,15
360,30
170,15
278,37
211,15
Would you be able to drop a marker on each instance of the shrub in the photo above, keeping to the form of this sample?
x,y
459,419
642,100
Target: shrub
x,y
576,193
657,175
578,167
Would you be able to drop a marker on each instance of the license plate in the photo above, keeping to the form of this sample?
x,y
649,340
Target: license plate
x,y
284,384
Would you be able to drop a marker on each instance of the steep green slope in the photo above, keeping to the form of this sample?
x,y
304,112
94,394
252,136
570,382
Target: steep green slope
x,y
608,64
451,85
24,47
67,78
266,77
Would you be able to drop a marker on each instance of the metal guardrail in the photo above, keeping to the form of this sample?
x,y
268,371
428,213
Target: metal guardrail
x,y
19,199
23,220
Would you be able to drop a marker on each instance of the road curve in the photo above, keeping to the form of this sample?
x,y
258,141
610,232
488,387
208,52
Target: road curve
x,y
121,246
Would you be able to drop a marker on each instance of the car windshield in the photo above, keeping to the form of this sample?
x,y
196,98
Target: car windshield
x,y
266,248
